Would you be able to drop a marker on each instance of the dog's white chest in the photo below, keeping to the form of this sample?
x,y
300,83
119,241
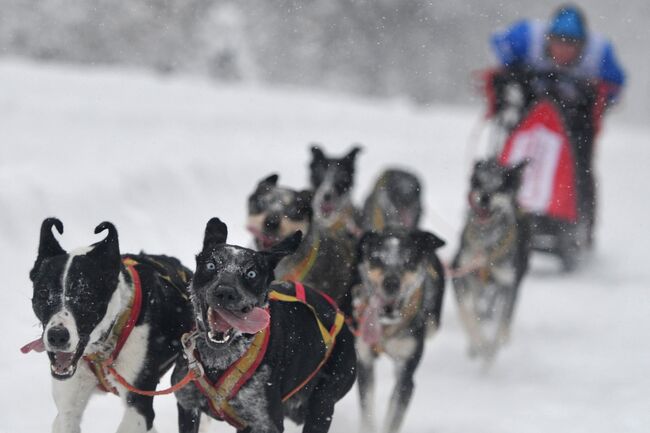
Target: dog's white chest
x,y
132,357
400,348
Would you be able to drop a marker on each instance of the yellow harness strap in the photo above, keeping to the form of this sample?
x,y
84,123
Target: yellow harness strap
x,y
228,385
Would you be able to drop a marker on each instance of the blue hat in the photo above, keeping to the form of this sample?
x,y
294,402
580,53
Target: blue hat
x,y
569,23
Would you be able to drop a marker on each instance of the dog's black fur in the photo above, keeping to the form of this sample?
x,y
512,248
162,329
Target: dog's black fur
x,y
77,298
493,255
395,265
236,279
394,202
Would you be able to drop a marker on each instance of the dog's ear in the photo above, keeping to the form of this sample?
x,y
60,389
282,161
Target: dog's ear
x,y
316,152
216,233
426,242
303,202
110,244
107,251
362,246
352,154
513,175
284,248
268,182
48,246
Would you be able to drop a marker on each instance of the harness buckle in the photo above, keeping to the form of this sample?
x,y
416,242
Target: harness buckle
x,y
195,367
189,345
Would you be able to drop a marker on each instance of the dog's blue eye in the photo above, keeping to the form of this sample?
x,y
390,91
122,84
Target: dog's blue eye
x,y
210,266
251,274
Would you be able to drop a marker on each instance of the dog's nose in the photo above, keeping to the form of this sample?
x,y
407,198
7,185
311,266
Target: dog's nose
x,y
327,196
227,297
272,222
58,337
391,284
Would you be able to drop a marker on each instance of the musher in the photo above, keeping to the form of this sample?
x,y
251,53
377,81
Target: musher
x,y
577,68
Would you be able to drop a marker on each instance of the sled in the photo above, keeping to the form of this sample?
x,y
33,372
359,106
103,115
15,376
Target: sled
x,y
556,135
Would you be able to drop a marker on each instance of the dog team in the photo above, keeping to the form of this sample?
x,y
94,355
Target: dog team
x,y
285,329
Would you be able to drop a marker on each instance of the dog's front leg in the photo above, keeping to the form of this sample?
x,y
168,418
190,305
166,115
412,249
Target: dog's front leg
x,y
466,288
71,397
506,280
405,369
366,382
319,412
189,420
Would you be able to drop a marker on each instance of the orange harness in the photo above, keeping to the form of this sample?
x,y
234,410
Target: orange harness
x,y
221,392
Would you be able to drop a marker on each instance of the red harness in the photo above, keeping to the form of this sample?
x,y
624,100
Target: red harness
x,y
100,365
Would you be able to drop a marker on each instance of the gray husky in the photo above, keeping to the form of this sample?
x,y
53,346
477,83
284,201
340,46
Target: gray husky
x,y
493,257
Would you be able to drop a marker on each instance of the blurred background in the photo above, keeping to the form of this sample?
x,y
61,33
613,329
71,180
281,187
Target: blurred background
x,y
159,114
422,50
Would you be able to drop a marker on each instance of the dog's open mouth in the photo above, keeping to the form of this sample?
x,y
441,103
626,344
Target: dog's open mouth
x,y
266,242
224,324
484,214
327,208
63,364
263,240
406,217
389,314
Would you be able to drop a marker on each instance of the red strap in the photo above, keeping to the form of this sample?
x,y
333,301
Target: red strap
x,y
329,299
187,379
135,311
300,291
300,295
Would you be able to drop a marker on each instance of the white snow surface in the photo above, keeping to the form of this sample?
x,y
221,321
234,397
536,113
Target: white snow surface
x,y
158,156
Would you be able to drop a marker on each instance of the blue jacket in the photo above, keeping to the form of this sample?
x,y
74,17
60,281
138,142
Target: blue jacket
x,y
524,43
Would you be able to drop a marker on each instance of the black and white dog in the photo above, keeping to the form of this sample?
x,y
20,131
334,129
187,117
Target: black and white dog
x,y
89,301
261,346
332,180
493,256
396,307
394,202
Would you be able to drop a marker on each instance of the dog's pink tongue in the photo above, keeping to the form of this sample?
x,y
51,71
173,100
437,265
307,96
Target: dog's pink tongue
x,y
36,345
370,326
248,323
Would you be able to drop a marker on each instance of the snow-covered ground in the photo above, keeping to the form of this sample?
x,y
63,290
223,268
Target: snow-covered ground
x,y
159,156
